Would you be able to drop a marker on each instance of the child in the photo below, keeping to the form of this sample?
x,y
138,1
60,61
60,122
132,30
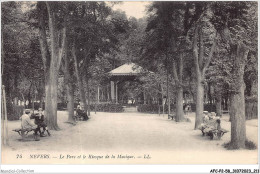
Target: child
x,y
39,121
205,117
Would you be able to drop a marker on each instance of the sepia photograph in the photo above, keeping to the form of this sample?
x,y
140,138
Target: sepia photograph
x,y
130,83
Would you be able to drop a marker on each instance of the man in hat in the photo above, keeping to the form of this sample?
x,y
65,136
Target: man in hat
x,y
26,123
39,121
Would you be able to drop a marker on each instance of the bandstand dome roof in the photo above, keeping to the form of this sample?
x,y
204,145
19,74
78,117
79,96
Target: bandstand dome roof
x,y
128,69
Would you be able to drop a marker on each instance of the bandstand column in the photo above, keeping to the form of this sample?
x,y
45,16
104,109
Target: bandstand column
x,y
144,97
116,93
107,92
98,94
112,91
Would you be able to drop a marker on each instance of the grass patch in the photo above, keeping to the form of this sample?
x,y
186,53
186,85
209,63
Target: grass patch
x,y
229,146
248,145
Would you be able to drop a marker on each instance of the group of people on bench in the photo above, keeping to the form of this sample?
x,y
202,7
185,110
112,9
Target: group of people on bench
x,y
39,124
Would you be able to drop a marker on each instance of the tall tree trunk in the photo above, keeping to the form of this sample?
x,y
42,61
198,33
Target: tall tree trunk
x,y
199,102
88,95
79,79
70,104
68,79
179,107
40,94
168,96
51,100
2,56
218,104
237,100
52,80
238,128
29,97
51,60
178,79
200,66
41,102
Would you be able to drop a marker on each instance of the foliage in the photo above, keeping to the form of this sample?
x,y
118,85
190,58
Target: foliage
x,y
14,112
236,22
21,65
106,107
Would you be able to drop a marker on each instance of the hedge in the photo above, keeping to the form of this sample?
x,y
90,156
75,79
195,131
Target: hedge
x,y
107,107
207,107
153,108
14,112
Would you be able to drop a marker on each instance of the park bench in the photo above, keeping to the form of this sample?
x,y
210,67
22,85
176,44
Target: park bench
x,y
225,111
172,117
212,129
77,118
24,132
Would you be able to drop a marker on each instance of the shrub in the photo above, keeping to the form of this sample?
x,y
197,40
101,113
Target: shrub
x,y
207,107
36,105
248,145
108,107
14,112
61,106
229,146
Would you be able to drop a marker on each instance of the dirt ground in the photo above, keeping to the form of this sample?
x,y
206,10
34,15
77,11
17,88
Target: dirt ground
x,y
127,138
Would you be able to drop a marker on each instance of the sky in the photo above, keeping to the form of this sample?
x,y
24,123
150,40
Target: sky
x,y
133,8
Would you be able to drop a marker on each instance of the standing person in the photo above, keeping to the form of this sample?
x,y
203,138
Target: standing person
x,y
186,109
26,123
39,121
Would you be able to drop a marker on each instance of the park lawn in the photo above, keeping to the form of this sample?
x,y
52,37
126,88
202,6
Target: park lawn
x,y
132,138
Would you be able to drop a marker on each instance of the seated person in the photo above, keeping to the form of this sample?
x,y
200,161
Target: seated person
x,y
212,116
26,123
39,121
81,113
205,117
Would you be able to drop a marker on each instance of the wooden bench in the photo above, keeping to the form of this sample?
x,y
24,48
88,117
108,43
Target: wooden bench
x,y
24,132
212,131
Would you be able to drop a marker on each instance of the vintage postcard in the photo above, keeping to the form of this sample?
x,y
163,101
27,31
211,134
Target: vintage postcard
x,y
151,82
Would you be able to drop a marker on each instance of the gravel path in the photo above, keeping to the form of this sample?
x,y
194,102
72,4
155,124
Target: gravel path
x,y
137,135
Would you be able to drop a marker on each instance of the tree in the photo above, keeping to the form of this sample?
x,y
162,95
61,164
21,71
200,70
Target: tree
x,y
168,26
51,57
203,46
68,71
238,28
20,50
